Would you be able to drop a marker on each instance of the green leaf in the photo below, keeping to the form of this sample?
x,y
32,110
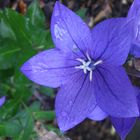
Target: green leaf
x,y
28,128
17,24
35,14
10,128
27,123
43,39
47,91
35,106
44,115
9,109
6,31
50,127
40,36
8,52
49,42
82,13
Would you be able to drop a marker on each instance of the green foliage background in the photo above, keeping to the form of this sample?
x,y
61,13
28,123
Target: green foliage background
x,y
21,37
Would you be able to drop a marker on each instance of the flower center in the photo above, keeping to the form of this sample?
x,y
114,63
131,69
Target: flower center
x,y
88,65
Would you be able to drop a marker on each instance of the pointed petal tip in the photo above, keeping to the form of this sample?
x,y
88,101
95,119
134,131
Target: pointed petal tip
x,y
23,68
66,124
123,126
64,127
57,4
58,7
2,100
27,70
123,137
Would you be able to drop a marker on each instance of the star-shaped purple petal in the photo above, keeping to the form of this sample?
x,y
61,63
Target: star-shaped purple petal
x,y
122,125
86,65
134,15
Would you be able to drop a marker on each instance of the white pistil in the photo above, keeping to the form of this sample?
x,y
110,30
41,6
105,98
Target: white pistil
x,y
88,65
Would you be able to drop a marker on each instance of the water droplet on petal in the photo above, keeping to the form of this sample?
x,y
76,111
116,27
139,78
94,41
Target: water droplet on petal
x,y
64,114
70,103
59,32
56,13
74,46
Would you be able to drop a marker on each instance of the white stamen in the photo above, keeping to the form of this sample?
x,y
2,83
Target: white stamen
x,y
85,70
98,62
81,60
90,75
88,56
79,67
86,65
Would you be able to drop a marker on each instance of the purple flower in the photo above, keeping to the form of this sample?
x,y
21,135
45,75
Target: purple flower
x,y
87,67
122,125
134,14
2,100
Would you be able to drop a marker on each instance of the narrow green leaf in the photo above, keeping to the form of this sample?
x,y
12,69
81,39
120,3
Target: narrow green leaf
x,y
18,24
35,14
28,128
44,115
9,109
8,50
28,125
6,31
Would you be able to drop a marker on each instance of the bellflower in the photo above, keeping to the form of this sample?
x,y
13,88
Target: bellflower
x,y
2,100
134,14
87,66
122,125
